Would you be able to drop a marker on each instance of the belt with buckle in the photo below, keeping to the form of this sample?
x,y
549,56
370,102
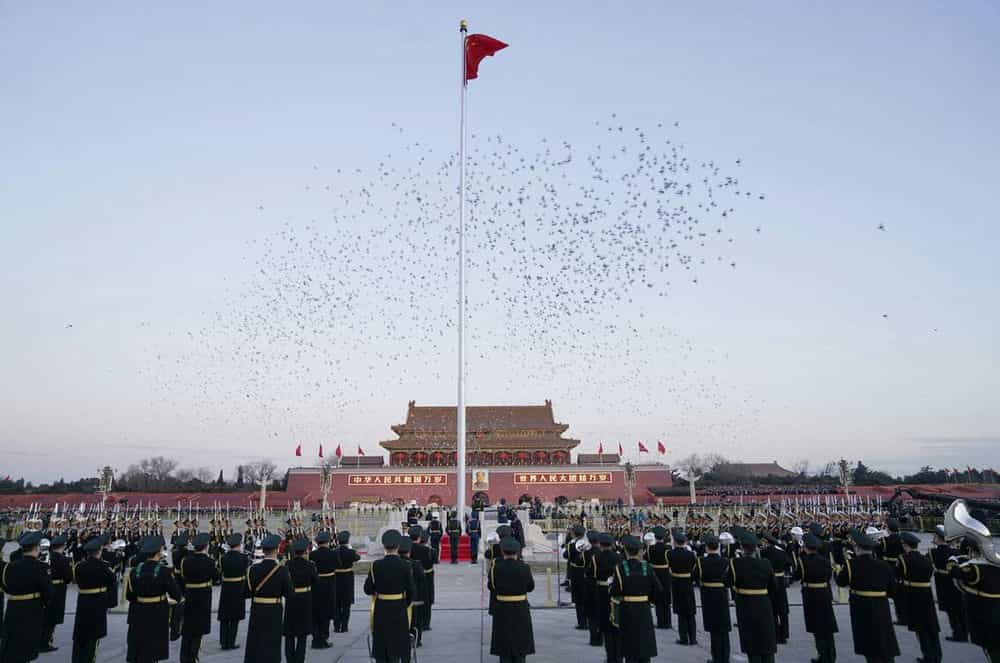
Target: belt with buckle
x,y
816,585
92,590
679,575
919,585
198,585
267,600
659,566
232,579
869,595
302,590
23,597
751,592
58,582
389,597
714,585
511,598
635,599
151,599
351,570
329,574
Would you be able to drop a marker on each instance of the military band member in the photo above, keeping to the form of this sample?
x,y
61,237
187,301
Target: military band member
x,y
299,623
682,562
979,582
590,594
454,531
267,584
815,571
712,574
177,554
511,637
632,588
949,597
406,547
61,572
915,572
780,562
148,587
657,557
890,550
29,590
752,579
3,565
232,600
871,582
423,561
435,530
605,562
96,594
200,574
345,582
324,603
390,584
574,560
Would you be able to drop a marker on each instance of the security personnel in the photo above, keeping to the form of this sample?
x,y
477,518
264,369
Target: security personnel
x,y
148,587
61,572
299,620
406,546
682,563
814,571
979,582
606,561
575,572
232,599
29,590
632,588
345,582
268,583
454,531
590,595
915,572
949,597
474,530
871,582
200,574
780,562
96,594
752,579
657,557
390,584
510,580
435,530
891,549
711,572
421,557
324,598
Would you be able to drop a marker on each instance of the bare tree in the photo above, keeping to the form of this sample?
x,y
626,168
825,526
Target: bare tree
x,y
158,468
260,471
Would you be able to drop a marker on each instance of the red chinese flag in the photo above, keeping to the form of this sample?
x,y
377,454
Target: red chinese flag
x,y
478,47
298,450
660,447
643,449
338,452
600,448
321,451
361,452
621,452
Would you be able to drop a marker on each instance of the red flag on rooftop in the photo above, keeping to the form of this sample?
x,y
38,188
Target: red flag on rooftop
x,y
361,452
338,452
478,47
321,451
298,450
621,452
600,448
643,449
660,447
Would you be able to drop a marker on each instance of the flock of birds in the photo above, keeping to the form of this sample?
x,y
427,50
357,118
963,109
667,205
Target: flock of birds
x,y
572,253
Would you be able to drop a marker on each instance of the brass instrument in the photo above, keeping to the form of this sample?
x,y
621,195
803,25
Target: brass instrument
x,y
958,522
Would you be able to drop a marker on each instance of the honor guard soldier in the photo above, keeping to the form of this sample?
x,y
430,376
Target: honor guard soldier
x,y
390,584
632,588
96,594
574,559
324,600
429,577
510,580
590,594
780,562
949,597
3,565
711,572
656,554
606,561
199,573
177,555
268,583
682,562
232,600
29,590
149,587
299,621
474,530
454,531
345,582
871,582
435,530
916,572
979,581
61,572
891,549
752,579
815,571
421,557
406,546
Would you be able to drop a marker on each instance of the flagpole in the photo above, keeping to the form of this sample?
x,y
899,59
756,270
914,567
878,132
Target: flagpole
x,y
460,483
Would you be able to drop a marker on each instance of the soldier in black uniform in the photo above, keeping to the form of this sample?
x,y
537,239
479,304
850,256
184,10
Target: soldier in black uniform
x,y
268,583
406,546
61,572
429,577
682,562
423,562
657,557
575,573
949,597
871,582
29,590
780,562
413,515
96,594
345,582
891,549
232,600
979,582
148,587
435,530
711,572
454,531
915,572
510,580
324,601
632,588
3,565
299,623
590,593
390,584
814,571
474,530
752,579
605,562
200,574
177,554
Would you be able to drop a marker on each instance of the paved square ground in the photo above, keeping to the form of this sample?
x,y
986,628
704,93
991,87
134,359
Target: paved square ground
x,y
461,632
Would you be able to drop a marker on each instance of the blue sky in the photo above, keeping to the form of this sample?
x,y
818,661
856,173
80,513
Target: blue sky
x,y
138,143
